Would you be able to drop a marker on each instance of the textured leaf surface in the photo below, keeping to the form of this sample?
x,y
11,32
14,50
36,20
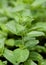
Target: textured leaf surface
x,y
29,62
14,27
21,55
36,56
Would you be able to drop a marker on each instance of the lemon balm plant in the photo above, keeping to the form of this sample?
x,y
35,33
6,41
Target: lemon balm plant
x,y
23,32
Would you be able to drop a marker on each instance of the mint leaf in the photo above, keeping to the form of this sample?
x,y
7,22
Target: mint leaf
x,y
23,32
29,62
43,63
14,27
31,43
20,57
37,3
35,34
36,56
10,42
8,54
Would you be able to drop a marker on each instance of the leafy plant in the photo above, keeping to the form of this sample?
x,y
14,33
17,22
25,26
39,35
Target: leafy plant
x,y
23,32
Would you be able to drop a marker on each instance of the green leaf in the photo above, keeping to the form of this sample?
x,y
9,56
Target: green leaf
x,y
28,1
29,62
19,43
10,42
3,20
43,63
1,63
23,32
8,54
5,62
38,2
2,34
35,56
4,28
18,8
27,38
31,43
21,55
39,48
15,28
3,3
35,34
40,26
2,41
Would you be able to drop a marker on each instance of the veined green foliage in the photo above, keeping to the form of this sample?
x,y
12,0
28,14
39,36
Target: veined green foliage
x,y
22,32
